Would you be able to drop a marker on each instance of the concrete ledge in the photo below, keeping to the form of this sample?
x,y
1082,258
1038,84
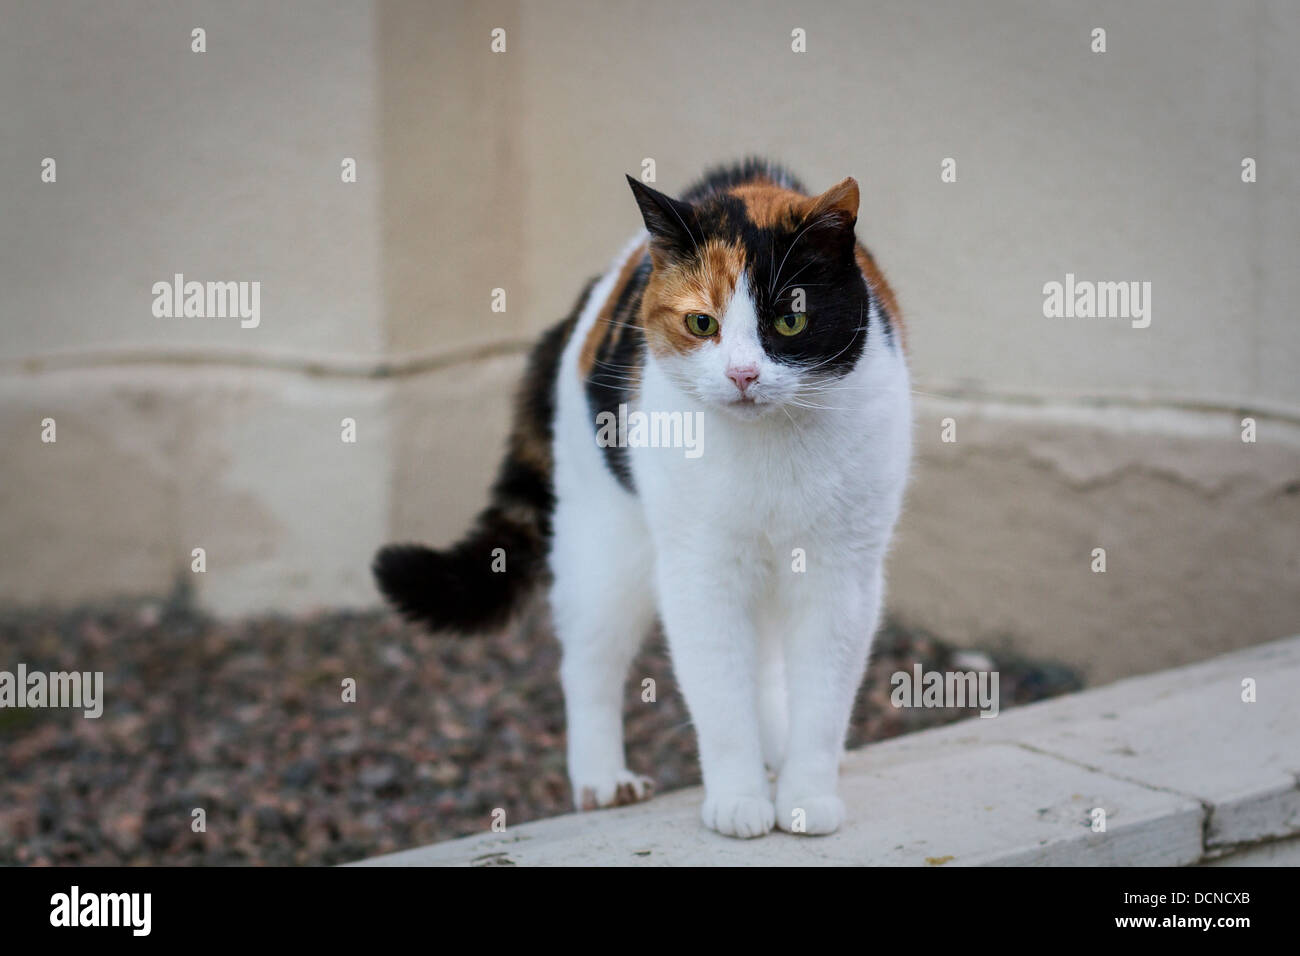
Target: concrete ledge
x,y
1186,771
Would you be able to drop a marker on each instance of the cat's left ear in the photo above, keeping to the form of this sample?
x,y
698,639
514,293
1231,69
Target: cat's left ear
x,y
671,222
836,208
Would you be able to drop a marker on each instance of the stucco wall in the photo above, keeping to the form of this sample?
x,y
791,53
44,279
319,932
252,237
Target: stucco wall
x,y
478,170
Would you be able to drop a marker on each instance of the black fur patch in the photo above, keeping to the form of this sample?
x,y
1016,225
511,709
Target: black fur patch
x,y
615,374
457,589
817,258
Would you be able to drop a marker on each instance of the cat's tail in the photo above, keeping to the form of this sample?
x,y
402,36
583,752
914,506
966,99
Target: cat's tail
x,y
479,582
456,589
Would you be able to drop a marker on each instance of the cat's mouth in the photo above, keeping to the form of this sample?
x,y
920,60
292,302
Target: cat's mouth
x,y
749,406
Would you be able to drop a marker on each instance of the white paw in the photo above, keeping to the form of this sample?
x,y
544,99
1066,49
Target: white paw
x,y
738,816
811,815
617,790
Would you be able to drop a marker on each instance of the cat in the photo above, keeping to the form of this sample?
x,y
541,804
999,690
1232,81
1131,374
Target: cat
x,y
749,304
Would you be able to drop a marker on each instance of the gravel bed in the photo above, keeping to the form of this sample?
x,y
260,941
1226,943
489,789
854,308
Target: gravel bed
x,y
245,720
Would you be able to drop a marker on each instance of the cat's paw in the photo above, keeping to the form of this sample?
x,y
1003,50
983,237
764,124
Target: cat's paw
x,y
811,816
618,790
738,816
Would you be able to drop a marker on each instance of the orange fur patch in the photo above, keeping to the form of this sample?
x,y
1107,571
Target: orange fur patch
x,y
705,286
768,205
607,325
881,289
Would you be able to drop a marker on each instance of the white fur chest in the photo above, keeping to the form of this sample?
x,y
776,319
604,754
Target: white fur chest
x,y
826,473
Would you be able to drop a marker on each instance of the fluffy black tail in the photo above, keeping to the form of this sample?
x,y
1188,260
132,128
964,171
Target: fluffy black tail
x,y
477,584
473,586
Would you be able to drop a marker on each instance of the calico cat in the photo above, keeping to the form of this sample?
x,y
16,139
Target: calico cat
x,y
750,306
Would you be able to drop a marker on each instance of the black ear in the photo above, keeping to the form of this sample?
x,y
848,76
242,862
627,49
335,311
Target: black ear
x,y
672,223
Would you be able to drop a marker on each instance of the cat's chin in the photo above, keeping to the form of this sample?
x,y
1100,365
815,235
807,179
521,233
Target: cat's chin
x,y
748,410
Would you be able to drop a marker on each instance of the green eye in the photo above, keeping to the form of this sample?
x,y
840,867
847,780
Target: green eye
x,y
792,324
701,324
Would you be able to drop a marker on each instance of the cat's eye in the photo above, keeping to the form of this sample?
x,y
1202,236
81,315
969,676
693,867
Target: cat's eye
x,y
792,324
701,324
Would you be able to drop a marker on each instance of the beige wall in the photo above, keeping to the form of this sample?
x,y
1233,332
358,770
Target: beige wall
x,y
479,171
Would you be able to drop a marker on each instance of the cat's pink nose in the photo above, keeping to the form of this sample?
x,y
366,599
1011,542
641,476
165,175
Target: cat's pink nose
x,y
743,376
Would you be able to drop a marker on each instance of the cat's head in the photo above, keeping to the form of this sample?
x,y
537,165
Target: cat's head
x,y
755,300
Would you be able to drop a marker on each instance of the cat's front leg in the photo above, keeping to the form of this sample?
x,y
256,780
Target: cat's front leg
x,y
833,615
705,606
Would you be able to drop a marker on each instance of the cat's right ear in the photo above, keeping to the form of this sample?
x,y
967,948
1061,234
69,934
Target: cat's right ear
x,y
672,223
